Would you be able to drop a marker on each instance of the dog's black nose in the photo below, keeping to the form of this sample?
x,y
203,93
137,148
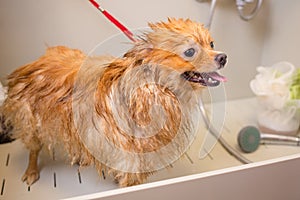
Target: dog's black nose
x,y
221,59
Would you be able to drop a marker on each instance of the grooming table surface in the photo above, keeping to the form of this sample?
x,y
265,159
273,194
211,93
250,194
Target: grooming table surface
x,y
60,180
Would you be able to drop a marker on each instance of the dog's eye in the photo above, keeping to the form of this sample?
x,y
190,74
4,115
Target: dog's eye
x,y
212,45
190,52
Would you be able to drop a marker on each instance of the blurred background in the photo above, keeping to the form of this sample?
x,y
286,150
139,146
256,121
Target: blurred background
x,y
28,27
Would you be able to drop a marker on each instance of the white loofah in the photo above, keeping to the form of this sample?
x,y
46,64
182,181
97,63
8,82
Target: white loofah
x,y
281,121
272,86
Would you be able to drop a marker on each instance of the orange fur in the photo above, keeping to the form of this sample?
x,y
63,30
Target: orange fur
x,y
65,97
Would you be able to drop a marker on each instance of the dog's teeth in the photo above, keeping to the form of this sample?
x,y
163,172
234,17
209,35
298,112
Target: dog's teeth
x,y
211,80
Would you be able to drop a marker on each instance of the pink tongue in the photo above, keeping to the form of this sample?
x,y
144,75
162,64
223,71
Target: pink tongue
x,y
217,76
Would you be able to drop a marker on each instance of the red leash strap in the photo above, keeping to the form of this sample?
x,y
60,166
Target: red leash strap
x,y
128,33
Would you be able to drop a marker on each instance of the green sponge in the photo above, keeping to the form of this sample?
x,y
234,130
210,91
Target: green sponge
x,y
295,87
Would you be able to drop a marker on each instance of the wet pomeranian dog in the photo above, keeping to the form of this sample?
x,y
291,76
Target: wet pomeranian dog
x,y
127,116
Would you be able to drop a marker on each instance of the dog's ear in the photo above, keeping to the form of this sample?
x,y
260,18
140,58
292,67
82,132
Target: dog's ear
x,y
172,24
141,48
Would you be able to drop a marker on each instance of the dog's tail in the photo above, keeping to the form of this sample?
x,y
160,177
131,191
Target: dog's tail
x,y
5,131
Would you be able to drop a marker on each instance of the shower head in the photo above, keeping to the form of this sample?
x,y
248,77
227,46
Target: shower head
x,y
250,138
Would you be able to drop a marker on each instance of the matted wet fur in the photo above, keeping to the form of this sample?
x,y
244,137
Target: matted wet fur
x,y
49,100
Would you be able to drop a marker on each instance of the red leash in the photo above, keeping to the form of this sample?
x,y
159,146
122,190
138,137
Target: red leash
x,y
128,33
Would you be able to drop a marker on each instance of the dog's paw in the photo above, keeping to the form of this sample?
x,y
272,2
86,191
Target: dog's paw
x,y
129,179
31,176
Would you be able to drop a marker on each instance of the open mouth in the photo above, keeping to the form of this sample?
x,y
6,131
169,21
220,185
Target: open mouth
x,y
210,79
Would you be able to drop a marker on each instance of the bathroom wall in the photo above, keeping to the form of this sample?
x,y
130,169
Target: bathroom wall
x,y
27,27
282,41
